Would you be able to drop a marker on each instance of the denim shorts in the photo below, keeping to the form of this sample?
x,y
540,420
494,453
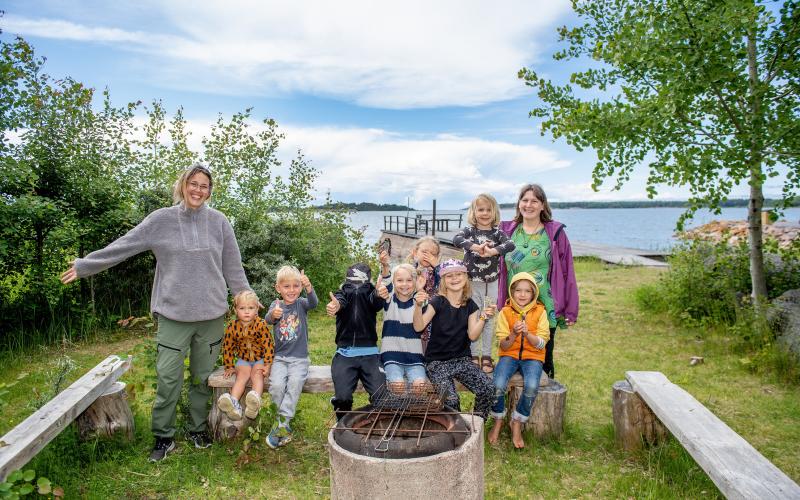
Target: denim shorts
x,y
400,373
241,362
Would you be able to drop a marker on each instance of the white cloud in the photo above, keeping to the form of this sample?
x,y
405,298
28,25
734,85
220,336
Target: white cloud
x,y
380,166
379,54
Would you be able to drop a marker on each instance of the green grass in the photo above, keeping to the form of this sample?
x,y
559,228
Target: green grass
x,y
612,336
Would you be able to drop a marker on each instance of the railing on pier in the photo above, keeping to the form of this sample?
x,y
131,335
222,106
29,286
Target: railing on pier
x,y
424,223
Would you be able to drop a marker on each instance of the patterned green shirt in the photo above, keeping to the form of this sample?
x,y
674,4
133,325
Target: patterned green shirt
x,y
532,255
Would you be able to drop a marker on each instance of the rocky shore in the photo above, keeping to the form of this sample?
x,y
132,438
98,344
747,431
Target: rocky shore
x,y
735,231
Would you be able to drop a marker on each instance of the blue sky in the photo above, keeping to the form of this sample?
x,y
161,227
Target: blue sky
x,y
388,100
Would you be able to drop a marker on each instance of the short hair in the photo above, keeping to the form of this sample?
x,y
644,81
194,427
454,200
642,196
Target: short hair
x,y
405,267
473,207
287,273
538,192
183,180
466,293
245,297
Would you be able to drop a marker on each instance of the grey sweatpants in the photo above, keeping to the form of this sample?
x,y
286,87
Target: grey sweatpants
x,y
482,346
286,383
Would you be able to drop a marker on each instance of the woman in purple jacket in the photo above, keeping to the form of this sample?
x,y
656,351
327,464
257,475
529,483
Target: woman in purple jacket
x,y
543,250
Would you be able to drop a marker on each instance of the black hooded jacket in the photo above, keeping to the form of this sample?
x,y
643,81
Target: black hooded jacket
x,y
355,321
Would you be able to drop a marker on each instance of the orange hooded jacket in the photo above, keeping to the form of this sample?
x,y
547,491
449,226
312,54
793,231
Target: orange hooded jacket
x,y
534,316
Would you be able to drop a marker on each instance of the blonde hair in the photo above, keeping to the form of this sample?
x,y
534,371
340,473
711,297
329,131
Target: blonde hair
x,y
287,273
466,292
420,242
538,192
407,268
245,297
183,180
473,207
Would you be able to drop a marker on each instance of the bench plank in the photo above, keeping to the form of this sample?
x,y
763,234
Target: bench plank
x,y
738,469
319,380
28,438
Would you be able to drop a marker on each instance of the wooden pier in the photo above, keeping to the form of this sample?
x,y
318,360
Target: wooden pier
x,y
405,231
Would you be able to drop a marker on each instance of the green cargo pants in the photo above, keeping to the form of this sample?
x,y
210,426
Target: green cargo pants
x,y
201,340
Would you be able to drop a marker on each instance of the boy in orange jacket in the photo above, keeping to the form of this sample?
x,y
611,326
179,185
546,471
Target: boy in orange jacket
x,y
523,330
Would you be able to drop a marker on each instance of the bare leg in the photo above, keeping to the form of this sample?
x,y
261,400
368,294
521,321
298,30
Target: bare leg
x,y
516,434
494,434
257,380
242,376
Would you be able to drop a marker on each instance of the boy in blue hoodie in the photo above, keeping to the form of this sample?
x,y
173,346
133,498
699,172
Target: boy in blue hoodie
x,y
355,306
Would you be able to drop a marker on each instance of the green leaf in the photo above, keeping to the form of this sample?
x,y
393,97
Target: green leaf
x,y
25,489
29,475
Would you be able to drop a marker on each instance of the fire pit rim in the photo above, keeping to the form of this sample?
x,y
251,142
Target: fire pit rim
x,y
467,417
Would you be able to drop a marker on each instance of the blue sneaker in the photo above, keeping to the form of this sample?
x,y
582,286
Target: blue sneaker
x,y
272,439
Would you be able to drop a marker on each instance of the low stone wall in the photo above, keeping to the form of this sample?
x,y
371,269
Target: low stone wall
x,y
733,232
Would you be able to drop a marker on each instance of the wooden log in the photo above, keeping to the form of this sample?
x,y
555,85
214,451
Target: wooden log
x,y
108,415
25,440
220,426
634,423
547,415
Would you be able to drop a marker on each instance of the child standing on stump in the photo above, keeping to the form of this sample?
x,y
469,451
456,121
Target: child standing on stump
x,y
289,315
455,320
247,340
355,306
523,329
483,243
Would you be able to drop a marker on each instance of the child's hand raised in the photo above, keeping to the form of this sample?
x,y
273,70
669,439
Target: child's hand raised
x,y
519,327
381,289
277,311
421,297
422,280
305,281
489,310
333,306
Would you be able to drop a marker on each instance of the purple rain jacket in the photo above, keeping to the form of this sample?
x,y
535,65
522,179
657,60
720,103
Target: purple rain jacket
x,y
561,275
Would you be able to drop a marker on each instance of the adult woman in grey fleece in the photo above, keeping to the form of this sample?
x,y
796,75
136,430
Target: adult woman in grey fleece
x,y
197,260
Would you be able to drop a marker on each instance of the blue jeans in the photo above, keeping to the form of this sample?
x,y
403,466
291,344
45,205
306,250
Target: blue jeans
x,y
402,373
507,366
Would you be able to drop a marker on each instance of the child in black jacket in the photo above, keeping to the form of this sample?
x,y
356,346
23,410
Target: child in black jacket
x,y
355,305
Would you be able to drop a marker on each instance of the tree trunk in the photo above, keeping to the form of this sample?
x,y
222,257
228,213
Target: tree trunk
x,y
108,415
757,276
547,414
634,423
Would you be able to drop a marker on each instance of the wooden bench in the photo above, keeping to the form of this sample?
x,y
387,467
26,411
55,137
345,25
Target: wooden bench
x,y
28,438
547,415
649,400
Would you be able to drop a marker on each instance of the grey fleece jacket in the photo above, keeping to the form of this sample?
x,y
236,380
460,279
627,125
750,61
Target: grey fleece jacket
x,y
196,255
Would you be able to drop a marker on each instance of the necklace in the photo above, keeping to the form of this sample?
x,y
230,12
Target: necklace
x,y
528,237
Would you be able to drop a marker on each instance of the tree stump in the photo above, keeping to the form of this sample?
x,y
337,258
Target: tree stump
x,y
634,423
547,414
220,426
108,415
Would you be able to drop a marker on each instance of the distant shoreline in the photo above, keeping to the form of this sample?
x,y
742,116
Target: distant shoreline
x,y
389,207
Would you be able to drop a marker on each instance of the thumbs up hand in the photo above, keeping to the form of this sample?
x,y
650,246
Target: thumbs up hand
x,y
277,311
333,306
305,282
381,289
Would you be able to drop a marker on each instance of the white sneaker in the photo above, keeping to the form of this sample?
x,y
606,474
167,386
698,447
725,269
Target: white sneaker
x,y
252,403
230,406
